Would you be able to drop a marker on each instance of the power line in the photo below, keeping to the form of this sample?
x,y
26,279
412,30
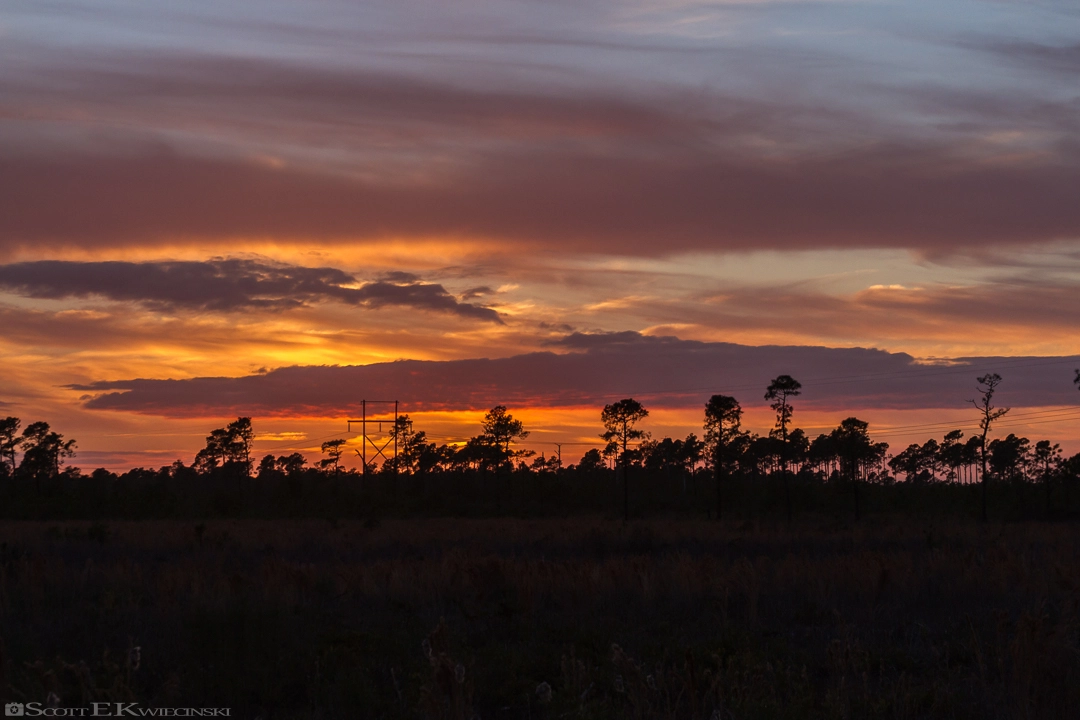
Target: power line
x,y
1062,414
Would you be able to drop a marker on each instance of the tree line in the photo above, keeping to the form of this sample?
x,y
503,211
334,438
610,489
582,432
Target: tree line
x,y
727,458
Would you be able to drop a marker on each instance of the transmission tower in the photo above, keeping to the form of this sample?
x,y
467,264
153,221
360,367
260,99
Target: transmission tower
x,y
371,432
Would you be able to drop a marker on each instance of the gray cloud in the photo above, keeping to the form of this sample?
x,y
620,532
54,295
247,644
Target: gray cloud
x,y
659,371
917,197
1057,58
227,285
371,151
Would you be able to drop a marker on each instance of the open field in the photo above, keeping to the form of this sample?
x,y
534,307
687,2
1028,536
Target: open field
x,y
664,618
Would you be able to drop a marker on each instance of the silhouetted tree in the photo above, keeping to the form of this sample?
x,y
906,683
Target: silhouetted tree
x,y
723,424
972,452
951,454
929,458
228,448
292,465
267,467
501,430
409,444
619,420
908,461
9,444
333,450
1047,456
822,455
478,453
240,437
544,464
779,391
798,445
213,455
1009,457
43,451
856,451
591,462
987,386
670,456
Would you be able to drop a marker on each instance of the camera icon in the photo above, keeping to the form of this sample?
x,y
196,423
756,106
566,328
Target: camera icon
x,y
14,710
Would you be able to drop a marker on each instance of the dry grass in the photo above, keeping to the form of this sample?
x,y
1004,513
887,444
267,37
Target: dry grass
x,y
462,618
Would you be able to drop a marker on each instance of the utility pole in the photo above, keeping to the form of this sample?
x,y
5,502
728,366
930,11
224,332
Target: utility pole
x,y
375,436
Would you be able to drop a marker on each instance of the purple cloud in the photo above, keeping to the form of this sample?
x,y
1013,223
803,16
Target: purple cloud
x,y
659,371
227,285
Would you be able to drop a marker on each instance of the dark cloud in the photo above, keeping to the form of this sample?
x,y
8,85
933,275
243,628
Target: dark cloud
x,y
1038,309
264,95
652,170
226,285
659,371
913,197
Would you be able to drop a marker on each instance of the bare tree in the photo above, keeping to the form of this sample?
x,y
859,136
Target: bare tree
x,y
723,417
779,391
987,386
619,420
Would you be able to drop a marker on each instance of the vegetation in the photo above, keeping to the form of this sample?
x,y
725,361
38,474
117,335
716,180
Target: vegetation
x,y
843,472
287,590
585,617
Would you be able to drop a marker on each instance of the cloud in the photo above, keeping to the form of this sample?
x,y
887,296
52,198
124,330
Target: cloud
x,y
224,285
476,292
659,371
1057,58
914,197
193,147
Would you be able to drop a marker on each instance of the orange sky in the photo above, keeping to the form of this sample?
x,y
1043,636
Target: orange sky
x,y
229,192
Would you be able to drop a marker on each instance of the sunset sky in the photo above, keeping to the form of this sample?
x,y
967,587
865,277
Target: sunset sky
x,y
217,209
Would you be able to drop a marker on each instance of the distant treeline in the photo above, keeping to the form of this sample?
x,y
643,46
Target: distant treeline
x,y
727,471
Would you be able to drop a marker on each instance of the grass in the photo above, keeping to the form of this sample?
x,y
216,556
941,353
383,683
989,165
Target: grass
x,y
582,618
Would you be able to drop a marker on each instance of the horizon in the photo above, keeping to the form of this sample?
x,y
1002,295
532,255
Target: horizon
x,y
570,416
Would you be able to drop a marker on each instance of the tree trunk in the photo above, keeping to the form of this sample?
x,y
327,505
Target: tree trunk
x,y
718,471
1046,482
983,458
625,491
855,490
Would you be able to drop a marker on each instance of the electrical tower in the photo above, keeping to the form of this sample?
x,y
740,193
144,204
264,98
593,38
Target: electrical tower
x,y
369,433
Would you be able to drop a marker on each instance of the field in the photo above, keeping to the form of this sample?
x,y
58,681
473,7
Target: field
x,y
546,618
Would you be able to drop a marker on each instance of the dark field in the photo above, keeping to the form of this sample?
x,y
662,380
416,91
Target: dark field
x,y
468,618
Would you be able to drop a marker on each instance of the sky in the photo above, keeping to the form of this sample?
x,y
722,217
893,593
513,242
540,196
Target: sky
x,y
278,209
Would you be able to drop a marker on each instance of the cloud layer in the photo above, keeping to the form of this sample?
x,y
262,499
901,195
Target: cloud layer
x,y
910,197
601,369
645,129
227,285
